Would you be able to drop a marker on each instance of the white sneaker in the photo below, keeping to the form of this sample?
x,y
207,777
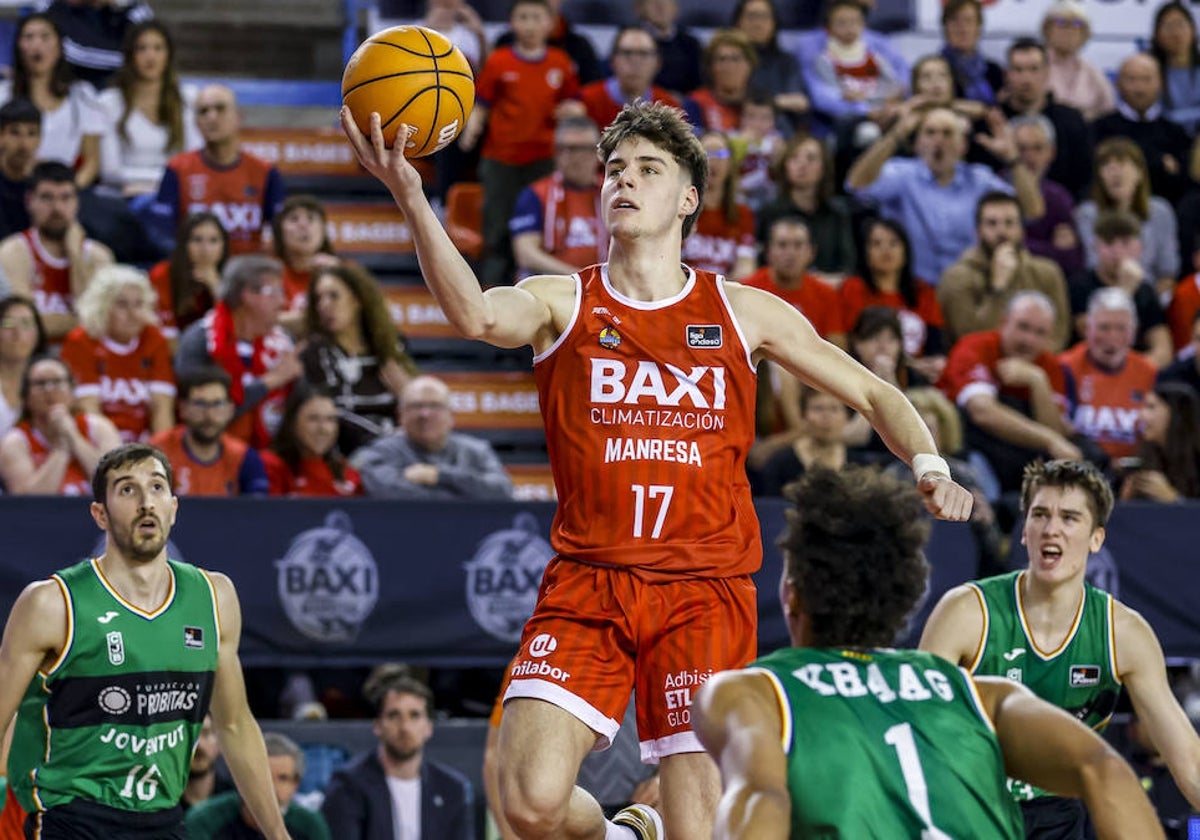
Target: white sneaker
x,y
644,821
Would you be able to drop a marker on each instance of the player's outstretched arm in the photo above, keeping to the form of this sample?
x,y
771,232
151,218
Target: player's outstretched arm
x,y
1143,670
775,330
1044,745
737,717
506,317
237,731
954,630
36,629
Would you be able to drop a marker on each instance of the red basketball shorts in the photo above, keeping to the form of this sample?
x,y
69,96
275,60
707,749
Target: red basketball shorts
x,y
599,632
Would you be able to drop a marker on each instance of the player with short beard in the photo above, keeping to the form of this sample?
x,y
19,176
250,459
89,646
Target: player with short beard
x,y
116,660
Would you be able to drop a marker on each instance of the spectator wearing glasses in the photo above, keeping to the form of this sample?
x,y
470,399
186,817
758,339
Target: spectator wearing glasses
x,y
226,817
723,240
54,449
22,337
242,335
556,226
425,459
729,61
635,62
1074,80
207,461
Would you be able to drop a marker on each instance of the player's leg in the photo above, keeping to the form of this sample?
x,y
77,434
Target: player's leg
x,y
568,688
541,748
690,629
690,789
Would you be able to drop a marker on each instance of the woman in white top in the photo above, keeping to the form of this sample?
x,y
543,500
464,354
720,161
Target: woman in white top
x,y
149,116
22,337
72,121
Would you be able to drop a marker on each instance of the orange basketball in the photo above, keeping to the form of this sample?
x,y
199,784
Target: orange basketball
x,y
410,75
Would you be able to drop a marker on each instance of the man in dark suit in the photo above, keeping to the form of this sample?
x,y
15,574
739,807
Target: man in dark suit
x,y
393,791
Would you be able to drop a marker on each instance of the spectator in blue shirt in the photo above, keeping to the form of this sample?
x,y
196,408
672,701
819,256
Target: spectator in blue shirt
x,y
934,194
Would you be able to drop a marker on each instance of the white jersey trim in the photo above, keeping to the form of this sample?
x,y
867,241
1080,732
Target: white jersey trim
x,y
591,717
659,748
649,305
737,328
570,324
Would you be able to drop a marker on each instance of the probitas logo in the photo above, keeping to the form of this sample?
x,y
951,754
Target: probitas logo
x,y
504,575
328,581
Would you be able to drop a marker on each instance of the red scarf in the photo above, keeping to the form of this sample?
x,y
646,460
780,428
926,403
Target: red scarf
x,y
222,344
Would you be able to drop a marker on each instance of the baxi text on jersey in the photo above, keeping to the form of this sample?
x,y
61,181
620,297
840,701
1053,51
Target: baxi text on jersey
x,y
663,385
144,745
652,449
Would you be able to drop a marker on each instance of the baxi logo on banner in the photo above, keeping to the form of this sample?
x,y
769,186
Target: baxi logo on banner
x,y
328,581
504,575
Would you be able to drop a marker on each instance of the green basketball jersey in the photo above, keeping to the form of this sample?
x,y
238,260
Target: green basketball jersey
x,y
887,744
114,719
1080,676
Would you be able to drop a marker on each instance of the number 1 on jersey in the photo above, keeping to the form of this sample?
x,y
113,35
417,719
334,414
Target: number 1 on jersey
x,y
653,491
901,738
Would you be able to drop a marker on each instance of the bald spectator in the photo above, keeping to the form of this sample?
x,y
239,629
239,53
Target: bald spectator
x,y
975,291
1139,116
1107,378
635,62
1027,91
934,195
1012,391
1053,235
242,190
425,459
556,226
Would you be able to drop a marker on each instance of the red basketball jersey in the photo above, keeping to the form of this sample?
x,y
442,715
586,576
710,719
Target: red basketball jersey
x,y
122,376
649,414
75,481
51,277
218,477
235,194
1108,403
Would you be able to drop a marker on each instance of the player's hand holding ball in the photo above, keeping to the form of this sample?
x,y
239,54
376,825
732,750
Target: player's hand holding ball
x,y
410,79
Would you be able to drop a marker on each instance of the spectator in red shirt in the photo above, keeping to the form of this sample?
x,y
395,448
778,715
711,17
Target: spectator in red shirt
x,y
1108,380
300,240
786,274
635,62
205,460
188,282
520,92
54,448
729,60
1181,313
304,459
723,239
887,279
1012,390
120,360
556,225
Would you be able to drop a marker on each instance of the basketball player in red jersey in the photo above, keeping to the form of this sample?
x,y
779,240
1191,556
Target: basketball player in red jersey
x,y
645,371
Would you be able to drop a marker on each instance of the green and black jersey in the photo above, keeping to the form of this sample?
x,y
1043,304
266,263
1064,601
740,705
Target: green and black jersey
x,y
115,718
887,744
1080,676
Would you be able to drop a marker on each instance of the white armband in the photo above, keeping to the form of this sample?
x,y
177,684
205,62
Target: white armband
x,y
926,463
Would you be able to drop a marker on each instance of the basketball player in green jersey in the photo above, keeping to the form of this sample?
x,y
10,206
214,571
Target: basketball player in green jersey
x,y
1068,642
840,737
110,666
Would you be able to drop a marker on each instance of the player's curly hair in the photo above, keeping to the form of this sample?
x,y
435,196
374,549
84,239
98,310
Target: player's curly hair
x,y
854,548
1065,474
668,129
